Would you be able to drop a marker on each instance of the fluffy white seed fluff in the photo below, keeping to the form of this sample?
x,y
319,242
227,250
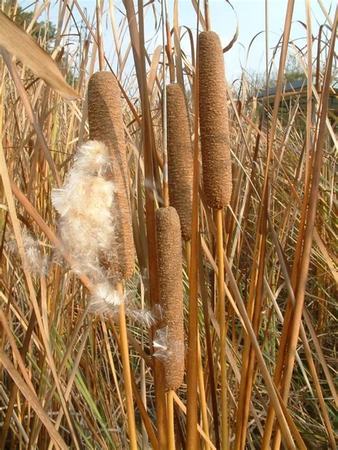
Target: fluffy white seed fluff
x,y
36,262
85,204
160,344
143,317
105,299
93,158
161,347
86,226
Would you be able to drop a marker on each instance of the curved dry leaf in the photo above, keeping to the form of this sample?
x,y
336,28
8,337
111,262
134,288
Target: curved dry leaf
x,y
20,44
32,400
233,40
235,36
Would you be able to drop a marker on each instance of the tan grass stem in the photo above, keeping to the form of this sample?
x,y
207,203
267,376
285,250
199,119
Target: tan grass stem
x,y
171,423
126,373
222,329
202,397
192,360
201,385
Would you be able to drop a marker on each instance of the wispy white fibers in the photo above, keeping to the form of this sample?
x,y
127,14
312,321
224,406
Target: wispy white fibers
x,y
86,207
104,299
37,262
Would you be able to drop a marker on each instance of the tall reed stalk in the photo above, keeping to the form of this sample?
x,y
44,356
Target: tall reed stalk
x,y
217,182
106,125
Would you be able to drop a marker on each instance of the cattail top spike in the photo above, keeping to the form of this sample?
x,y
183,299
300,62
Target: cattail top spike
x,y
180,158
169,248
214,122
106,125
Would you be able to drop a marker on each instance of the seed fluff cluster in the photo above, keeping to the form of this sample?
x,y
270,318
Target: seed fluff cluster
x,y
87,223
37,263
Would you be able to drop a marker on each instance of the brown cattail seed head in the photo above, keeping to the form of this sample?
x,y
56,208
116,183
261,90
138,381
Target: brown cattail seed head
x,y
169,248
214,125
106,125
180,160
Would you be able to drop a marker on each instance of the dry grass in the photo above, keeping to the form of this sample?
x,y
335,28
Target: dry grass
x,y
271,254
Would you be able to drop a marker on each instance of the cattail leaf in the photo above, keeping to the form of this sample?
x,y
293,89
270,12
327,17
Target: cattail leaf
x,y
20,44
235,36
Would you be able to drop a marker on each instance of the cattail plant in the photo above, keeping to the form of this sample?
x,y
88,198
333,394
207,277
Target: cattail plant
x,y
217,180
214,122
180,158
180,178
106,125
171,293
169,253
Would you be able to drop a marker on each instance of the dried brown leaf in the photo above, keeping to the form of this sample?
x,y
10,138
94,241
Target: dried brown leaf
x,y
20,44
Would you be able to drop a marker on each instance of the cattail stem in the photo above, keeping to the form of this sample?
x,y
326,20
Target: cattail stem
x,y
203,402
221,319
192,376
201,387
99,35
161,413
126,373
188,254
192,434
207,15
170,416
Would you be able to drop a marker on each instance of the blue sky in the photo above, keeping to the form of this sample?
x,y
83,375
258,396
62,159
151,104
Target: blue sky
x,y
248,14
251,15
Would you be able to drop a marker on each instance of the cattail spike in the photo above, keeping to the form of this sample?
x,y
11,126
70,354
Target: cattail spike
x,y
180,161
169,248
106,125
214,123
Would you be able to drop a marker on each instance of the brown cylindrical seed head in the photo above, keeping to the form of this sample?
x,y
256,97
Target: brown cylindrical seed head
x,y
169,250
214,126
180,158
106,125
